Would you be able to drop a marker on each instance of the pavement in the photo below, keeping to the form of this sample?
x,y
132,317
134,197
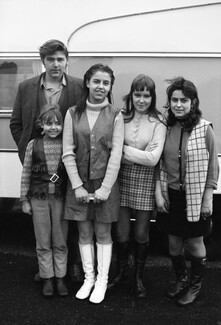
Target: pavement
x,y
22,302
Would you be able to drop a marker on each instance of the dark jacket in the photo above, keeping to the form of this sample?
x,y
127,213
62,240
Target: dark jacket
x,y
26,107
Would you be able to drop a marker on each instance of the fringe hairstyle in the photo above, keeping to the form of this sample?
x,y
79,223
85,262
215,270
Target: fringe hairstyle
x,y
140,83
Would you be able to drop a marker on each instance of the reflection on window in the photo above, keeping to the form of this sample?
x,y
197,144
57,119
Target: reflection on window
x,y
12,72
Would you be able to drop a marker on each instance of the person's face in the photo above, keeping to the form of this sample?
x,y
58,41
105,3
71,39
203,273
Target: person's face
x,y
99,86
55,65
141,100
180,105
52,128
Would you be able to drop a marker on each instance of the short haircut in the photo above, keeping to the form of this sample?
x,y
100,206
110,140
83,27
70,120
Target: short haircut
x,y
52,46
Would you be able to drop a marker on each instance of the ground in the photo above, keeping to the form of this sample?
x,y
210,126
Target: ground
x,y
22,302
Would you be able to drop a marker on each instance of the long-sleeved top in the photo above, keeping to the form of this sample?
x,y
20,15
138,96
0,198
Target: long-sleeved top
x,y
138,133
69,156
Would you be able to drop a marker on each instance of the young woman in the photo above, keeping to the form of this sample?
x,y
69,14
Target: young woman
x,y
43,187
143,144
92,150
184,190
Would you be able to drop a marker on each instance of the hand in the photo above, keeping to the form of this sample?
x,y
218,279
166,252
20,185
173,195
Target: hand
x,y
81,195
26,207
206,208
162,205
151,146
100,195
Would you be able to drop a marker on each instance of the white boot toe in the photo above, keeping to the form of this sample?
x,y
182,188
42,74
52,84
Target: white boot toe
x,y
98,294
85,290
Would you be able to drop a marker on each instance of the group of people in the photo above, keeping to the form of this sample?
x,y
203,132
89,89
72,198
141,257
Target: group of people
x,y
84,160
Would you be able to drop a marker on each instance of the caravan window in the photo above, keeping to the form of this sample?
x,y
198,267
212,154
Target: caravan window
x,y
12,72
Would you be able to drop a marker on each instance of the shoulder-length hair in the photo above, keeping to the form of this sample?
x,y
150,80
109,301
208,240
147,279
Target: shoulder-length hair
x,y
81,105
140,83
189,90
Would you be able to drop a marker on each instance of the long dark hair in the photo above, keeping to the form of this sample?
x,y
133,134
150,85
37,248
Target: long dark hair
x,y
81,106
189,90
140,83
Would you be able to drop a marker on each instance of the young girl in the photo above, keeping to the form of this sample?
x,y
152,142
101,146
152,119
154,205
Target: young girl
x,y
184,190
143,144
92,149
43,186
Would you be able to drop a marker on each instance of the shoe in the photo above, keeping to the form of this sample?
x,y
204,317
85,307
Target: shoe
x,y
48,288
37,278
98,293
61,287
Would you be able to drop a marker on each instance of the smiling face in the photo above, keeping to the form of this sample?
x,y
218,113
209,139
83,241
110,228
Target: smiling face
x,y
99,86
141,100
55,65
180,104
52,128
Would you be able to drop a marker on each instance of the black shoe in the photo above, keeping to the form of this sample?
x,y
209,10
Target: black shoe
x,y
177,287
120,278
48,287
37,278
140,290
61,287
190,296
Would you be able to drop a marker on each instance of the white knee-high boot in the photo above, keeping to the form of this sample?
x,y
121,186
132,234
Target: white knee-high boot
x,y
87,257
104,254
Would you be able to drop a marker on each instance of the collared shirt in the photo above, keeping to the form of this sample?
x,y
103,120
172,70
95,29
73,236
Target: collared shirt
x,y
52,95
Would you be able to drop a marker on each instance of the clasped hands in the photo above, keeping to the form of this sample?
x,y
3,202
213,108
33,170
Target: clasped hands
x,y
82,196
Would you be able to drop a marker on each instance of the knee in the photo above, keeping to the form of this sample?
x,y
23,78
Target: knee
x,y
103,234
142,236
122,235
176,246
197,247
85,236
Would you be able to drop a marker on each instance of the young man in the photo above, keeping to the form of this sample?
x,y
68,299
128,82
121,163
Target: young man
x,y
53,86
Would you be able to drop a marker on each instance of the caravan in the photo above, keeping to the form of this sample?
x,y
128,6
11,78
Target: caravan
x,y
163,39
